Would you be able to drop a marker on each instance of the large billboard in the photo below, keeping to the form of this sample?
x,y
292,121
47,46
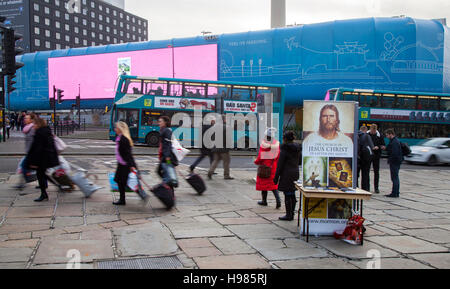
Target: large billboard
x,y
17,15
96,75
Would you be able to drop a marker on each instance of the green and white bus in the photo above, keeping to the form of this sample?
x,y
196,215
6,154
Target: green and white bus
x,y
414,116
140,101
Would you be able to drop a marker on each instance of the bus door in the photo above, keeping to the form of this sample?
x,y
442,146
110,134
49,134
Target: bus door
x,y
131,118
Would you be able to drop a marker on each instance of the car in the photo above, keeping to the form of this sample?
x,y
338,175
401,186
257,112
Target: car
x,y
430,151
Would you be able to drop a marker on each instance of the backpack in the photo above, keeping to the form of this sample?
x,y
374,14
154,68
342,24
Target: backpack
x,y
406,151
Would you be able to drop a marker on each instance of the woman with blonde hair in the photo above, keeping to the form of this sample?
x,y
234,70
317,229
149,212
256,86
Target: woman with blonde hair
x,y
125,160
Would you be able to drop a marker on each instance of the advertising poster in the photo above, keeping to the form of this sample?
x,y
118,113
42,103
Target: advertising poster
x,y
329,160
185,103
241,106
124,66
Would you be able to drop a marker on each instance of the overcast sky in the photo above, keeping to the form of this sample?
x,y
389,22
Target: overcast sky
x,y
187,18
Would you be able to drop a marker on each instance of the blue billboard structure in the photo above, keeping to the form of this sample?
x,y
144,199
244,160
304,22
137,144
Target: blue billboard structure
x,y
374,53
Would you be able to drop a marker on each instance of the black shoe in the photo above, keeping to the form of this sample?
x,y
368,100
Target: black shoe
x,y
286,218
391,196
278,204
37,187
262,203
41,199
377,191
228,178
209,176
119,203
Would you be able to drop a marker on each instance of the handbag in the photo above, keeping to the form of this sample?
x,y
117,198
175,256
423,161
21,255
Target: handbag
x,y
59,144
264,171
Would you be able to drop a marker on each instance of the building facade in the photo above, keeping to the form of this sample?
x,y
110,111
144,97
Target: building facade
x,y
62,24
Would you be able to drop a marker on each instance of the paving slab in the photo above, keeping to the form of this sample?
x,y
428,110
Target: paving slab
x,y
62,222
259,231
98,219
252,261
28,243
315,263
407,244
438,260
391,263
10,229
194,243
343,249
288,249
11,255
69,210
96,235
438,236
410,214
53,251
197,230
13,266
30,212
242,221
232,246
149,239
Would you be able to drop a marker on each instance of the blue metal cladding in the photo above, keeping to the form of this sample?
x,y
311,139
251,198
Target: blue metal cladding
x,y
373,53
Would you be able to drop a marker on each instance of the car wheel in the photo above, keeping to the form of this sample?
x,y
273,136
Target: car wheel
x,y
152,139
432,161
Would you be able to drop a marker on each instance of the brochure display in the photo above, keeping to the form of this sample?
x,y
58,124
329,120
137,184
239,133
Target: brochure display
x,y
329,165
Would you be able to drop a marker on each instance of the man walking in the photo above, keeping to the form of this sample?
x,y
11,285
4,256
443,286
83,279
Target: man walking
x,y
379,146
222,153
395,158
204,151
365,154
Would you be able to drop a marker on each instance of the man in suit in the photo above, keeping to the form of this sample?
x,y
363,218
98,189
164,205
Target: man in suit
x,y
395,159
379,145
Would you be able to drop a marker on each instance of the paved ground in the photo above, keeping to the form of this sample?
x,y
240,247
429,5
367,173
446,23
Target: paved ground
x,y
222,229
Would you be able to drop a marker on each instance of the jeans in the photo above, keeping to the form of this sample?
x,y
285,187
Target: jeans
x,y
395,169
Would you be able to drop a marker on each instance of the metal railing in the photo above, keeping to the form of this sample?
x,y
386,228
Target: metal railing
x,y
67,127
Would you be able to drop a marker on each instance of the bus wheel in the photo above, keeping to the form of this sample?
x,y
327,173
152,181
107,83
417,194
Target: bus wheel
x,y
432,161
152,139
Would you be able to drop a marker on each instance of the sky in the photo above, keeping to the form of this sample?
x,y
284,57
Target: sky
x,y
187,18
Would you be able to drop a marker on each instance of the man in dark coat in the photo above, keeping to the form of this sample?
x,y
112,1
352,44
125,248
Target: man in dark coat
x,y
365,154
42,155
288,173
395,159
379,146
204,151
222,152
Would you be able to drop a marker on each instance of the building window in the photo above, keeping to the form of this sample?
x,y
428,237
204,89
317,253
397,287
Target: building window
x,y
36,7
67,26
46,10
67,16
36,18
77,40
47,44
58,35
58,46
47,33
93,24
57,3
57,24
37,31
47,21
37,42
67,38
85,43
57,13
76,30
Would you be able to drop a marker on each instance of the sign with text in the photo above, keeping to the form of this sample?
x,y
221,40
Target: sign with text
x,y
241,106
329,159
185,103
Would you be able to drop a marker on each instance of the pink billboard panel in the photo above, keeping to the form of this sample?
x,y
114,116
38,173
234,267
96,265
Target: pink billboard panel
x,y
97,74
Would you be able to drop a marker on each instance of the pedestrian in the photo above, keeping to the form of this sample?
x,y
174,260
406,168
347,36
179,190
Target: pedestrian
x,y
395,159
8,125
222,153
12,121
22,120
42,155
365,154
28,131
379,146
125,160
288,173
205,151
167,159
267,160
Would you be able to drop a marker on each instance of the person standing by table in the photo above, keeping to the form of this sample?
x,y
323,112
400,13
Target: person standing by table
x,y
365,154
288,173
42,155
379,146
125,160
268,155
395,159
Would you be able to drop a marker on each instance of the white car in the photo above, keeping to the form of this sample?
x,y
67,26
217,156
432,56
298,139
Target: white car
x,y
431,151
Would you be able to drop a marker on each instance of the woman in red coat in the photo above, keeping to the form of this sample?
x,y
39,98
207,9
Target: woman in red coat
x,y
268,155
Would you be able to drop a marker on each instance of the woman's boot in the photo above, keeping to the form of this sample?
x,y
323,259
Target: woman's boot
x,y
43,197
264,199
288,205
277,198
293,204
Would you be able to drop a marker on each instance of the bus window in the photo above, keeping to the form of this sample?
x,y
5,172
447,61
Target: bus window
x,y
244,93
150,118
133,86
129,116
175,89
152,88
428,102
445,103
407,101
368,100
388,100
194,91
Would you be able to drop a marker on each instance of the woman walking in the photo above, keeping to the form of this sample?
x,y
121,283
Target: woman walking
x,y
42,155
267,160
288,172
125,160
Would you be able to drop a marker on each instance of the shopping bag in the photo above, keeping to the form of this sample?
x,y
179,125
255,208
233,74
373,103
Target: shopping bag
x,y
59,144
133,182
178,150
114,186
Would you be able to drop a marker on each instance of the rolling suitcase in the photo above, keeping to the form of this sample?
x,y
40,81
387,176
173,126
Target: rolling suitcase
x,y
165,194
60,178
197,183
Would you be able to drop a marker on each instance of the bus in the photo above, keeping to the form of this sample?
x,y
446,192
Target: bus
x,y
414,116
140,101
